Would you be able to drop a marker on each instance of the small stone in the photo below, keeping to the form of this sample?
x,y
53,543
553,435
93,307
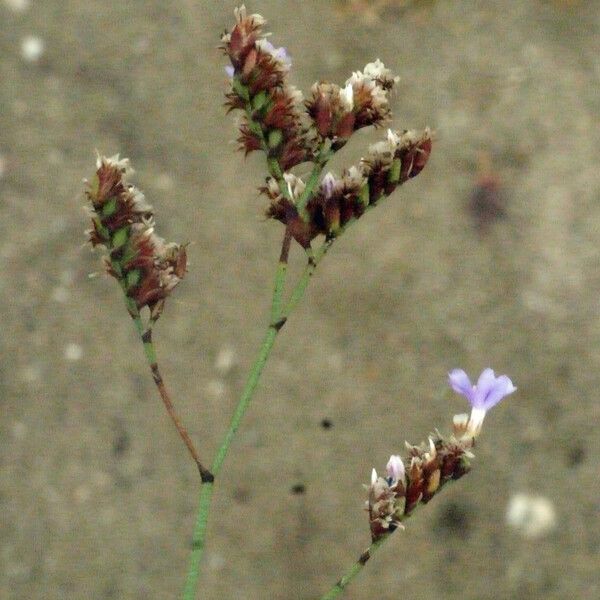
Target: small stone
x,y
225,360
18,5
298,489
73,352
31,373
216,388
32,48
335,361
164,182
60,294
532,516
216,562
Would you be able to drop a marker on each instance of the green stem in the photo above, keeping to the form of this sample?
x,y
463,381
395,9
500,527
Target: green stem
x,y
206,491
354,570
321,160
278,319
279,315
314,258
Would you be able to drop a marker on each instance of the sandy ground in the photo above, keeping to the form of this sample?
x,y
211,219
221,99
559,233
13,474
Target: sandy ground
x,y
97,495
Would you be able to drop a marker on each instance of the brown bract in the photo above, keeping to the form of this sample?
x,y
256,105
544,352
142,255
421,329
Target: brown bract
x,y
273,120
430,467
332,118
146,266
389,163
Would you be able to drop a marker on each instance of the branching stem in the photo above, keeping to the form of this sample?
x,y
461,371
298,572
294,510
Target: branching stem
x,y
150,352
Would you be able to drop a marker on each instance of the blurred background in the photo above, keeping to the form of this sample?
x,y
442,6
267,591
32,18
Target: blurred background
x,y
488,258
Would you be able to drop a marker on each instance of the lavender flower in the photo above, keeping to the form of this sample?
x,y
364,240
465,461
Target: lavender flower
x,y
230,71
488,391
395,469
328,185
279,54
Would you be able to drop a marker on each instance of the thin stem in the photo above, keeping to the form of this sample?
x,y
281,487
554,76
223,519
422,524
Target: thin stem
x,y
321,160
206,492
314,258
354,570
277,322
280,277
150,352
279,316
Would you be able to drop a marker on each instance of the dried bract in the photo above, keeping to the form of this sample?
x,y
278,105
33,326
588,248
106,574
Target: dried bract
x,y
430,467
273,120
145,265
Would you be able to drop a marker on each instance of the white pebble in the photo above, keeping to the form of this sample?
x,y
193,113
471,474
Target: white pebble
x,y
164,182
18,5
216,388
216,562
225,360
60,294
31,373
32,48
532,516
73,352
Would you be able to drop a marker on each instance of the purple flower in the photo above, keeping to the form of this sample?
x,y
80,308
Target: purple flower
x,y
328,185
230,71
279,54
395,469
488,391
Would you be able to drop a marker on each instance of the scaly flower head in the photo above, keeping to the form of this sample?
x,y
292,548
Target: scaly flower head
x,y
370,93
147,267
274,110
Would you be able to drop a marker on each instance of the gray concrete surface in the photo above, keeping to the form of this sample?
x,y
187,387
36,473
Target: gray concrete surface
x,y
97,496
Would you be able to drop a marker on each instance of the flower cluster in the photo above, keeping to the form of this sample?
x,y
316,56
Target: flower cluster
x,y
145,265
336,202
259,86
291,131
430,466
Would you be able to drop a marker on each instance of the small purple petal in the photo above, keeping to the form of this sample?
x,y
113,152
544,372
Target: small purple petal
x,y
459,381
282,55
230,71
501,387
395,468
267,46
488,391
485,384
328,185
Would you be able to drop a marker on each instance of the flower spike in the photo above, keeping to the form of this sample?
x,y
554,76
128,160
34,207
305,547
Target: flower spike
x,y
147,267
431,465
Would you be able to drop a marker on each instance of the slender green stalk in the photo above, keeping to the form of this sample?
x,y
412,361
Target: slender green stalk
x,y
323,156
314,258
277,322
279,315
354,570
206,492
